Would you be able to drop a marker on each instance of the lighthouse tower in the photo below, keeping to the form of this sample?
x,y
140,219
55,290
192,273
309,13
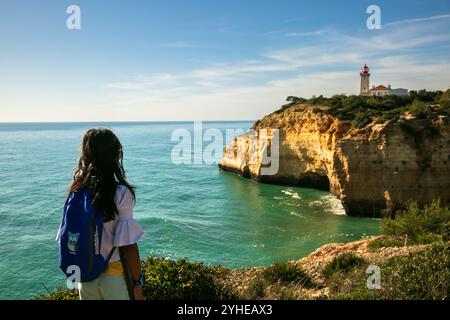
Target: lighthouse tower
x,y
365,75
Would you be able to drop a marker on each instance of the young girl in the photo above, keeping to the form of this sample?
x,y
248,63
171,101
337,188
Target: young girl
x,y
101,167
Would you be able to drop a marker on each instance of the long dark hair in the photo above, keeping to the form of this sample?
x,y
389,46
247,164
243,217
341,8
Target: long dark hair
x,y
101,168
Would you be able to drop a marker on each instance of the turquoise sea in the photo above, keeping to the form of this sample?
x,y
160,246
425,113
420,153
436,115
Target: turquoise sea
x,y
187,210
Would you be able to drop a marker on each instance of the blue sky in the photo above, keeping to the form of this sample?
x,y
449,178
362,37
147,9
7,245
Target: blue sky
x,y
208,60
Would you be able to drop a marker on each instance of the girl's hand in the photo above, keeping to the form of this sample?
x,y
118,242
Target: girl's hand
x,y
138,293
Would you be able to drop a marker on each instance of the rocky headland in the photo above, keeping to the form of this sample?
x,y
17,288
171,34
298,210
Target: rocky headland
x,y
374,169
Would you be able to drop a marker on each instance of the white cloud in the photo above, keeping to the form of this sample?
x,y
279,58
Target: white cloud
x,y
251,88
183,45
416,20
307,33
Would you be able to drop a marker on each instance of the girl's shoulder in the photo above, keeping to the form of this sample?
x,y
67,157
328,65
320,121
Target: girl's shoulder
x,y
122,189
123,198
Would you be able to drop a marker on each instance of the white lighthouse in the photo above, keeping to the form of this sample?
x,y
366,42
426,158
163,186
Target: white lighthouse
x,y
365,75
380,90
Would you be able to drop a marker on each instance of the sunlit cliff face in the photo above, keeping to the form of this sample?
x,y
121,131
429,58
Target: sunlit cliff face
x,y
372,170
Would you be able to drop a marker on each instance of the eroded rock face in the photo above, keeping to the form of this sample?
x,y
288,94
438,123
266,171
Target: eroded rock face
x,y
372,170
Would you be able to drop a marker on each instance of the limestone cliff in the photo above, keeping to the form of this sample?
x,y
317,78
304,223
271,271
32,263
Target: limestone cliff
x,y
372,170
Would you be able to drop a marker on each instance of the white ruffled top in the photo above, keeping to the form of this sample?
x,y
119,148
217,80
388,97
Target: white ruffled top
x,y
122,231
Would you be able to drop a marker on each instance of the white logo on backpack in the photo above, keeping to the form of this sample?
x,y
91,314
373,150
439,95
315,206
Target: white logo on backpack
x,y
72,242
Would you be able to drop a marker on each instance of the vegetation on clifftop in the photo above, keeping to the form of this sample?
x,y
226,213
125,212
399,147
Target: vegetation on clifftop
x,y
416,225
413,257
180,279
423,275
364,110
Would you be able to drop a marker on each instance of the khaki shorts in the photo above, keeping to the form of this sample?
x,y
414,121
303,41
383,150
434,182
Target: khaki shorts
x,y
105,287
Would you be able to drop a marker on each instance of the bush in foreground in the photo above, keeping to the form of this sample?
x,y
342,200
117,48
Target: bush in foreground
x,y
287,273
419,276
282,281
343,263
420,225
170,280
59,294
180,279
389,241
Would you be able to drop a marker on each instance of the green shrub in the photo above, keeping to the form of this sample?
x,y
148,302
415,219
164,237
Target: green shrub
x,y
390,241
256,289
59,294
295,99
426,225
287,294
421,276
343,262
444,100
287,273
390,115
425,96
363,110
361,120
419,109
180,279
170,280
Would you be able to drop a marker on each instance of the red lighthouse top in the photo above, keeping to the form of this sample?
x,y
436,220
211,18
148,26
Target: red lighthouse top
x,y
365,69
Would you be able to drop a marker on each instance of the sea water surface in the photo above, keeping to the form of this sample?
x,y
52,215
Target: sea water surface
x,y
188,210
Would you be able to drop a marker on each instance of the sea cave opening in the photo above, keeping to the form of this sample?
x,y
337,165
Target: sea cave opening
x,y
314,180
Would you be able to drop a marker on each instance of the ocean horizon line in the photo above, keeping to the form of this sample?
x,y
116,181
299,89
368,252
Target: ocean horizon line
x,y
120,122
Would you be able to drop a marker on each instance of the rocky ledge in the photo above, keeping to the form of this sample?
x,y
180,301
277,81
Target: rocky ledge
x,y
315,265
373,170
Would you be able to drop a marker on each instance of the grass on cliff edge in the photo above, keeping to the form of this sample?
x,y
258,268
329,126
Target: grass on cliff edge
x,y
343,263
287,273
415,225
417,276
424,275
280,281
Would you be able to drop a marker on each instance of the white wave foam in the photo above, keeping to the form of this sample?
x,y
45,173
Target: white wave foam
x,y
290,192
334,205
328,203
287,192
296,214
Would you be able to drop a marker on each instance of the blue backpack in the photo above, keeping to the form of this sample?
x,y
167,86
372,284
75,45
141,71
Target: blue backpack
x,y
81,237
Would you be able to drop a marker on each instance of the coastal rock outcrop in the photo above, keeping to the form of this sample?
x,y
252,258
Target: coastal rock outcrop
x,y
315,263
372,170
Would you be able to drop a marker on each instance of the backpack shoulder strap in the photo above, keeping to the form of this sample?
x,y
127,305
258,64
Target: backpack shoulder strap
x,y
110,255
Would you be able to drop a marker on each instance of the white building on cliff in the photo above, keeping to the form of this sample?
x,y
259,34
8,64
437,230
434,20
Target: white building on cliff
x,y
380,90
